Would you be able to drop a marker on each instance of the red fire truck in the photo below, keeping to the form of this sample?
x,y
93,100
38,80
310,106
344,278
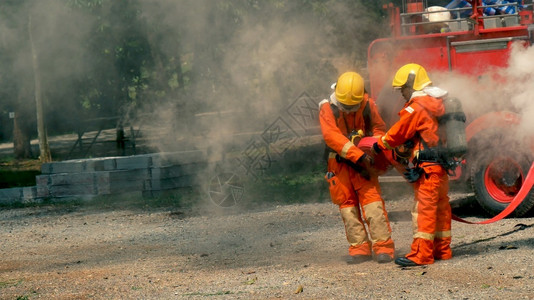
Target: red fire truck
x,y
465,43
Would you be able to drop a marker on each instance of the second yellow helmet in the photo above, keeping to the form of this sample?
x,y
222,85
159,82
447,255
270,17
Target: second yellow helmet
x,y
350,88
420,81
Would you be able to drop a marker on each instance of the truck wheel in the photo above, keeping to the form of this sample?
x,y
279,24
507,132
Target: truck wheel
x,y
497,176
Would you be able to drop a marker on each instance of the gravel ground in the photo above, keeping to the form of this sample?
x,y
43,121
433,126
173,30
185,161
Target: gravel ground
x,y
288,252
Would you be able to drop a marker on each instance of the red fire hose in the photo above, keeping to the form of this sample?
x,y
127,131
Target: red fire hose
x,y
521,195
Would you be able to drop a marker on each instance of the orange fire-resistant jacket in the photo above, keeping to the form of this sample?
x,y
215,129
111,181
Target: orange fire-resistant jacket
x,y
419,115
335,131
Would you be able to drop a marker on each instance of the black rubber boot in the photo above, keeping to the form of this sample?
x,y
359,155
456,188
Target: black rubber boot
x,y
357,259
383,258
405,262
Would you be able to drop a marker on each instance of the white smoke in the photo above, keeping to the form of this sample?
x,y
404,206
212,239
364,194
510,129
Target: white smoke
x,y
519,75
497,89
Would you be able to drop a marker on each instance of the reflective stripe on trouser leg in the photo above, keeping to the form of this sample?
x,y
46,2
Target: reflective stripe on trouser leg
x,y
355,231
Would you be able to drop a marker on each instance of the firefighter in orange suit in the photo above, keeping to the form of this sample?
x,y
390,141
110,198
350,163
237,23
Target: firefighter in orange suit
x,y
417,131
348,116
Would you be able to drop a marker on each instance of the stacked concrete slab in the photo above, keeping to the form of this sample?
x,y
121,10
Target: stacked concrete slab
x,y
18,195
149,174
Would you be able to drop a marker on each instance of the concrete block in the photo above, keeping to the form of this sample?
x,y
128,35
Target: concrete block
x,y
174,176
43,191
68,166
177,170
71,179
109,164
29,194
128,175
100,164
177,158
120,181
134,162
42,180
10,195
151,184
124,187
102,183
113,175
72,190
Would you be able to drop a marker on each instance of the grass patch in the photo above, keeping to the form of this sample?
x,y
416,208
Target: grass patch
x,y
289,189
289,182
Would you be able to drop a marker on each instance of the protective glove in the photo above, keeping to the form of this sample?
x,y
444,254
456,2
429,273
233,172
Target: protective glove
x,y
366,162
413,174
376,149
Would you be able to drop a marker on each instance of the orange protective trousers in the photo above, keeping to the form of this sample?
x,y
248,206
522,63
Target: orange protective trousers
x,y
431,218
359,201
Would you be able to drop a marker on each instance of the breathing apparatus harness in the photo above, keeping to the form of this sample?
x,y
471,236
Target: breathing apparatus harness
x,y
431,156
448,155
353,136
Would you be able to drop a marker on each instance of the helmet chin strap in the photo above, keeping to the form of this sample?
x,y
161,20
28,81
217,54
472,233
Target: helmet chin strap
x,y
410,81
352,108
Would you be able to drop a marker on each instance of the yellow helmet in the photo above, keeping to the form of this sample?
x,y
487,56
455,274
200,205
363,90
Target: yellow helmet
x,y
350,88
420,79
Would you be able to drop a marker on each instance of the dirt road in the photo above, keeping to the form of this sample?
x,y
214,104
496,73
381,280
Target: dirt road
x,y
287,252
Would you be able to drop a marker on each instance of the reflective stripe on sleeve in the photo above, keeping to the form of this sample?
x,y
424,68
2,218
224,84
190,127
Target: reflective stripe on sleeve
x,y
386,143
346,148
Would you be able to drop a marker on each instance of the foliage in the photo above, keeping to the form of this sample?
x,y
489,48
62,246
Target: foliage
x,y
105,58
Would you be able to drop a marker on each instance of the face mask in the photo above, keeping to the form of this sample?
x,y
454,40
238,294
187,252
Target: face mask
x,y
349,108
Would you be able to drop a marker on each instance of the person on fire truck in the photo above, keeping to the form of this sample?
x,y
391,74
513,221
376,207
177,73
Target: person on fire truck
x,y
346,118
417,130
489,7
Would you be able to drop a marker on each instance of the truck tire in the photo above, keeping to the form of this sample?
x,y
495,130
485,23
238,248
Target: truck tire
x,y
498,172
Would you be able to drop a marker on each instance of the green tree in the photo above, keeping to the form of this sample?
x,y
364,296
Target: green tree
x,y
105,58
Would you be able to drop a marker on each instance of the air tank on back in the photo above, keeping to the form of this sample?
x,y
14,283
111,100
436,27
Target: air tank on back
x,y
454,122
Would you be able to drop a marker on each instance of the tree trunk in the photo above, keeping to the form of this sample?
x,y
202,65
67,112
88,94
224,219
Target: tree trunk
x,y
21,138
41,129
